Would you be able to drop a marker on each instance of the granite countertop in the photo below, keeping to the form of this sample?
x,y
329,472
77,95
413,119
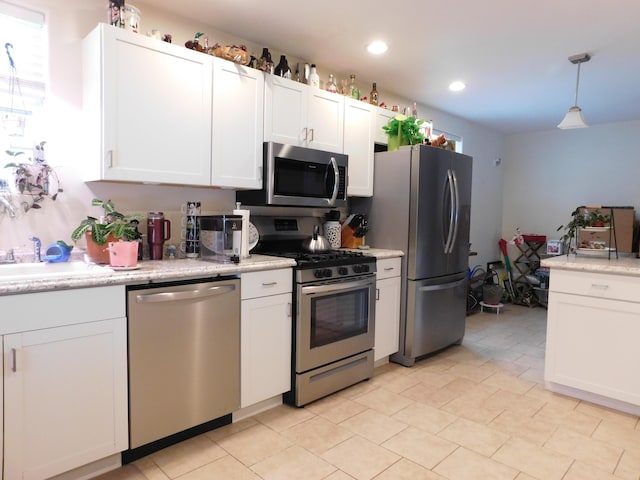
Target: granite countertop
x,y
153,271
150,271
624,265
379,253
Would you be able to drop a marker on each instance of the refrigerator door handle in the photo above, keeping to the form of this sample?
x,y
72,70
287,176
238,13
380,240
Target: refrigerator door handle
x,y
451,212
442,286
456,210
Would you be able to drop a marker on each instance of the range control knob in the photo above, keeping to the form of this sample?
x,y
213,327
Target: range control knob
x,y
343,270
327,272
318,273
357,269
365,268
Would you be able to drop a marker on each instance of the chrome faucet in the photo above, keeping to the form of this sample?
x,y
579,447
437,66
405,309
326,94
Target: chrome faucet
x,y
9,257
36,248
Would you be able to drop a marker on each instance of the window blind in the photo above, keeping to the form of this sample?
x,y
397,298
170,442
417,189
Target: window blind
x,y
22,37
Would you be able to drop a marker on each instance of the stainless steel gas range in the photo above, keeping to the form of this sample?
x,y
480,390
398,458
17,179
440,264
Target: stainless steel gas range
x,y
333,311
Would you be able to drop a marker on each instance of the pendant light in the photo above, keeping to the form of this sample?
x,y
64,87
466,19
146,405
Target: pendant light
x,y
574,118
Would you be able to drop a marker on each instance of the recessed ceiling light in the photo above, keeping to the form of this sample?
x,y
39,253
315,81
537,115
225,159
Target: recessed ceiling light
x,y
377,47
457,86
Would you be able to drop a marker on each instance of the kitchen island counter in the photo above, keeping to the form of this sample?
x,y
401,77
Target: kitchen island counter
x,y
626,265
150,271
593,324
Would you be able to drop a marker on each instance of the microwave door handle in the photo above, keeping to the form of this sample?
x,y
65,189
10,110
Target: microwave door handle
x,y
336,181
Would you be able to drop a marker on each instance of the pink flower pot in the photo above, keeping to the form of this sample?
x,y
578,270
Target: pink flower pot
x,y
123,254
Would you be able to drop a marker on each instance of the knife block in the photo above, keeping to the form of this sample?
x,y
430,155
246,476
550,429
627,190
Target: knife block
x,y
349,240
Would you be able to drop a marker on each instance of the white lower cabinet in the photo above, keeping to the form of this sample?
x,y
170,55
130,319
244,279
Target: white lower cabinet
x,y
265,333
387,333
593,326
65,380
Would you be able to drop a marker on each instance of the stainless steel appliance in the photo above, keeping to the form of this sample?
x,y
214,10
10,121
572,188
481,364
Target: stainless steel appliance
x,y
184,361
422,205
334,311
299,177
221,238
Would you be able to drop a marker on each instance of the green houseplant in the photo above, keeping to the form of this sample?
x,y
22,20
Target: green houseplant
x,y
582,218
111,226
403,130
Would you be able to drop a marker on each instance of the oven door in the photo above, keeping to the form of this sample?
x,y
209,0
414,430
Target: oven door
x,y
334,320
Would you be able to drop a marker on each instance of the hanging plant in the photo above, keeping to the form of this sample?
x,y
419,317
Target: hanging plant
x,y
34,180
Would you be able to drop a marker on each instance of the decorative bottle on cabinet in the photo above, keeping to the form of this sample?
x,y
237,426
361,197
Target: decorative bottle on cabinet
x,y
282,69
353,88
331,84
373,100
314,78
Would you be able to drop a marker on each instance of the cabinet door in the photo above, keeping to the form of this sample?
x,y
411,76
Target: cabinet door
x,y
359,125
265,348
156,109
325,121
285,111
238,103
387,332
65,397
382,118
592,345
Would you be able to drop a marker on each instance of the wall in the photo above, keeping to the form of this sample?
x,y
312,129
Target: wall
x,y
70,21
548,174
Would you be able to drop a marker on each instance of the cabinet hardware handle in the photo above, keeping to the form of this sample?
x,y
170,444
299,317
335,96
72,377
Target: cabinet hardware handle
x,y
270,284
311,130
14,361
602,286
388,269
377,294
306,134
289,310
110,158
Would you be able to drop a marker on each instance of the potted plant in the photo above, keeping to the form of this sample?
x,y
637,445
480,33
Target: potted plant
x,y
110,227
582,218
403,130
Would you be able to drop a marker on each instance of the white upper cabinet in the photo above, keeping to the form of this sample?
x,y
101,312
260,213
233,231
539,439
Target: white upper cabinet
x,y
382,117
148,106
296,114
238,130
359,126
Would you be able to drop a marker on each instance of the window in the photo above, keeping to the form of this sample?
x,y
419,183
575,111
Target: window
x,y
22,75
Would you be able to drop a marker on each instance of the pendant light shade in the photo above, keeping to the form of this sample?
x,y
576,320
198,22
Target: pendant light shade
x,y
574,118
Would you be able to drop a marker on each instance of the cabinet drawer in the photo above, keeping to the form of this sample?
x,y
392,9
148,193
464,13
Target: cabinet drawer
x,y
268,282
388,267
614,287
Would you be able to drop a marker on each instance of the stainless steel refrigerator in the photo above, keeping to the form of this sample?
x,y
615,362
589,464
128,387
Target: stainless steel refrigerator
x,y
421,205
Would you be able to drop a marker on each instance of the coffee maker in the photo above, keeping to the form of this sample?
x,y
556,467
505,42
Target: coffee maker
x,y
158,232
221,238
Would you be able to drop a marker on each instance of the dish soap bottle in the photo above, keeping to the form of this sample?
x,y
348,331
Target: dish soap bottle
x,y
314,78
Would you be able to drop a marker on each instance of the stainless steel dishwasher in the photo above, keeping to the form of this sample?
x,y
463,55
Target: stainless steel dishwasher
x,y
184,361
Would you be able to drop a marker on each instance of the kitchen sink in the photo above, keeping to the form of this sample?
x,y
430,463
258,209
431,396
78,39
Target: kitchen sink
x,y
16,272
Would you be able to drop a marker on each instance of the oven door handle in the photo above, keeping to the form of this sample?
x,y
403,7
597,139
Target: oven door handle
x,y
340,287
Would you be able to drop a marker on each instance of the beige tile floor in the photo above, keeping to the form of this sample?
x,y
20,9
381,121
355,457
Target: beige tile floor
x,y
475,411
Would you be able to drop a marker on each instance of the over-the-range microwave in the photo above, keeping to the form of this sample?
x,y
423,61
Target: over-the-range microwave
x,y
299,177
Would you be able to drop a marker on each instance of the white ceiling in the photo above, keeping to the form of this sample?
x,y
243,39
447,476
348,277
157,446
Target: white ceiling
x,y
513,54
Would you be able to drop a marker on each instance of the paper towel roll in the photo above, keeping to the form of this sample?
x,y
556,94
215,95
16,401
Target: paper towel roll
x,y
244,250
